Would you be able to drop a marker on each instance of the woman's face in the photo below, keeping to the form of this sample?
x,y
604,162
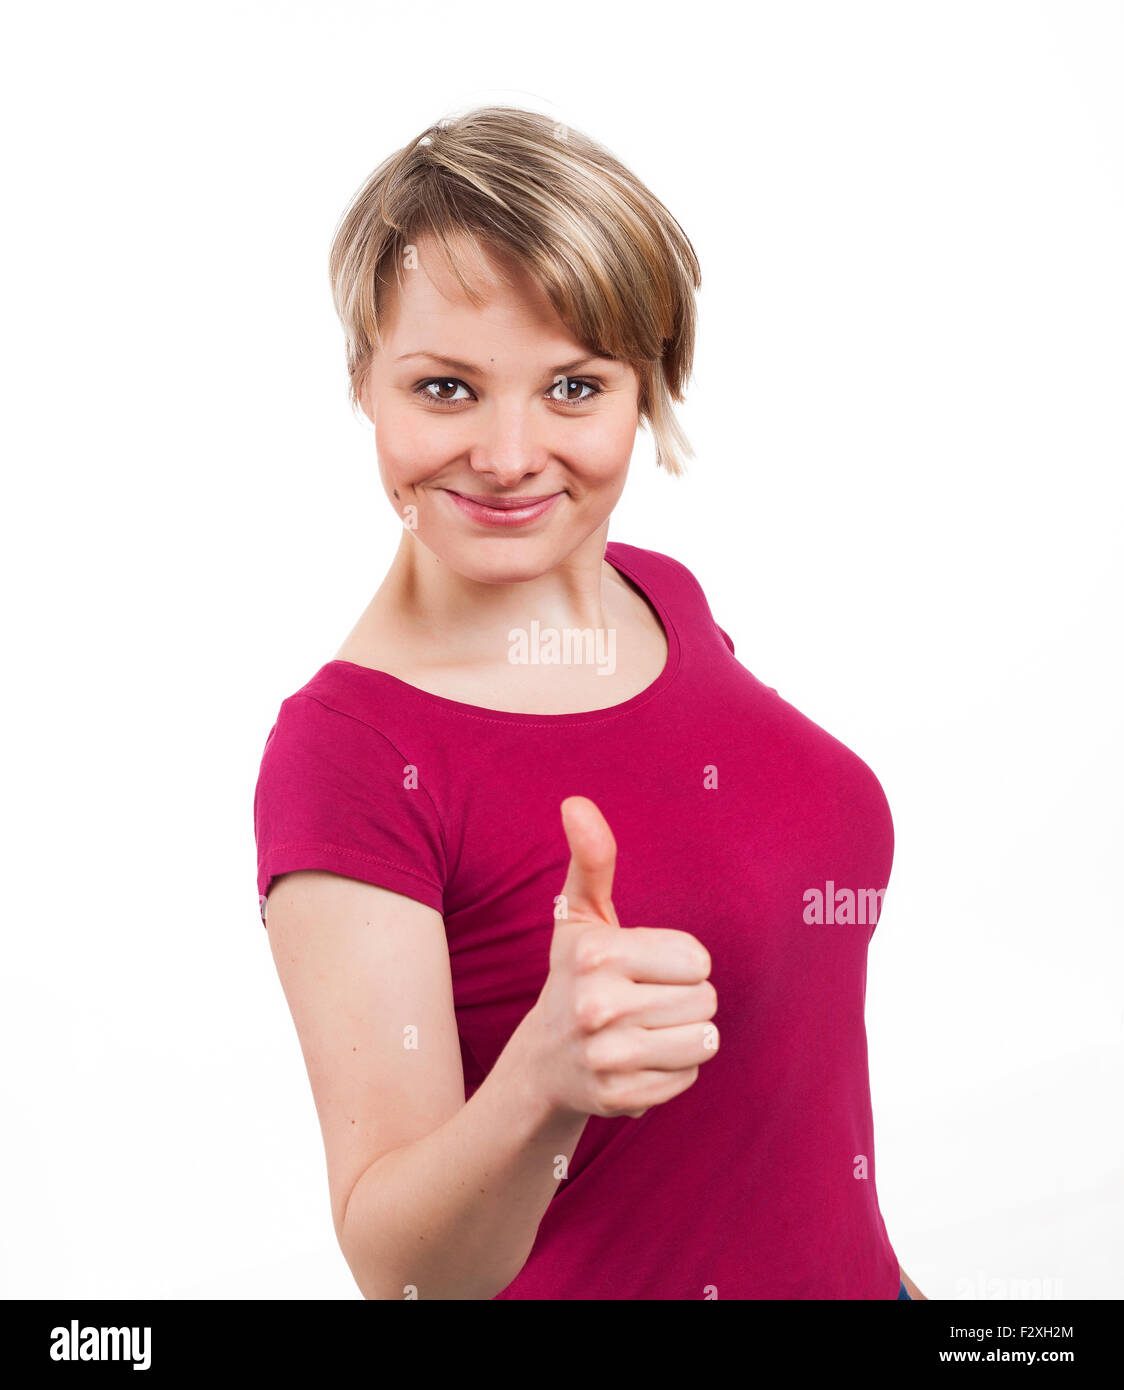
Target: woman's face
x,y
518,409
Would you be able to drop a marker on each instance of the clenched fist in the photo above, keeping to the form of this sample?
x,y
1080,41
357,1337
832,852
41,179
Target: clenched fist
x,y
622,1022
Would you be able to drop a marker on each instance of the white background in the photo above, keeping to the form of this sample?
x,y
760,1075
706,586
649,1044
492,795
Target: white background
x,y
905,508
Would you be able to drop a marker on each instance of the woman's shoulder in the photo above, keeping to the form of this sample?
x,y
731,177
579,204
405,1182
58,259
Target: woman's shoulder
x,y
336,792
670,579
341,710
654,561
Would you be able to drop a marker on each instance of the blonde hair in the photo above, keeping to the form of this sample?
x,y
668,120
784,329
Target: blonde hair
x,y
617,267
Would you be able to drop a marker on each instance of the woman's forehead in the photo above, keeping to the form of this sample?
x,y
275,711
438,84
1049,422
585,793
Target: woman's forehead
x,y
431,297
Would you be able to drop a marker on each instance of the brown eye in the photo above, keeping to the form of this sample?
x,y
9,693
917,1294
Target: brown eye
x,y
568,384
447,388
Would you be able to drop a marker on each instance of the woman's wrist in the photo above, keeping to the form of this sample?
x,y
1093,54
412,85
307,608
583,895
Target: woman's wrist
x,y
523,1066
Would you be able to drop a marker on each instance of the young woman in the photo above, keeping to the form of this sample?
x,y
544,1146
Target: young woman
x,y
534,831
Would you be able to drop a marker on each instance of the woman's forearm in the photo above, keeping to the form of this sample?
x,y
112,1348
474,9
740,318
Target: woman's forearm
x,y
454,1215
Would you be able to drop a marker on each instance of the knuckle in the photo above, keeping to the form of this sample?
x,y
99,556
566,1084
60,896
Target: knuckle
x,y
611,1096
600,1053
592,1009
591,950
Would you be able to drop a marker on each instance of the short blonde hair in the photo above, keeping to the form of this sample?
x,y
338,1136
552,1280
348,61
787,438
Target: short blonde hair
x,y
617,267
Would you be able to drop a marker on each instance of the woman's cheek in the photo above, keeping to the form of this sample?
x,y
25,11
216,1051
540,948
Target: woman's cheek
x,y
408,451
602,453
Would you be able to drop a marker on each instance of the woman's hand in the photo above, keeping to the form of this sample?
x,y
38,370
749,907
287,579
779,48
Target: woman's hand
x,y
622,1022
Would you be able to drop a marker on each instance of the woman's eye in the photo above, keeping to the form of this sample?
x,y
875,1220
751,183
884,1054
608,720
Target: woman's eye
x,y
565,385
443,382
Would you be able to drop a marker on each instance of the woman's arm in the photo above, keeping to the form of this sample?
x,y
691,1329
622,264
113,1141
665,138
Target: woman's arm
x,y
454,1215
431,1197
910,1287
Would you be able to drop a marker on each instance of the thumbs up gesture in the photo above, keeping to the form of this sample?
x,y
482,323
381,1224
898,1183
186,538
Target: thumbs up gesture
x,y
622,1022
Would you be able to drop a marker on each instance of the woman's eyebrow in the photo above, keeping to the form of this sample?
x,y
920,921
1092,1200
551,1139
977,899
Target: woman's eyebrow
x,y
457,365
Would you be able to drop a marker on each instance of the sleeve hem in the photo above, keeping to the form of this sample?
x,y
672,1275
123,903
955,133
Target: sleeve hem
x,y
349,863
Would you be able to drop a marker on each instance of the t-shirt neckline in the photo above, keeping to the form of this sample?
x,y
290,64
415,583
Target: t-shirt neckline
x,y
665,677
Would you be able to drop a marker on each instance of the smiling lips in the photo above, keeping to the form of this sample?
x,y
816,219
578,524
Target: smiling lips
x,y
503,511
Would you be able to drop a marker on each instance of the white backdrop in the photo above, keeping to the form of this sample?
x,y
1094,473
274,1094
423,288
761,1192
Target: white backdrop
x,y
905,508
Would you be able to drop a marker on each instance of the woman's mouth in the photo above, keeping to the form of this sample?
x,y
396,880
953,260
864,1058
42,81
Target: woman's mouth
x,y
502,511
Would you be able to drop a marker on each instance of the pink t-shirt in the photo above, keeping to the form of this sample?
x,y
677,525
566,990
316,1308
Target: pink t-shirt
x,y
737,819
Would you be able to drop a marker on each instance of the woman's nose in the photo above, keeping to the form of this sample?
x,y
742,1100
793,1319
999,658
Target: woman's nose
x,y
508,445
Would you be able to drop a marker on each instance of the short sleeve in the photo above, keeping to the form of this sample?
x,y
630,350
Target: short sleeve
x,y
726,637
334,793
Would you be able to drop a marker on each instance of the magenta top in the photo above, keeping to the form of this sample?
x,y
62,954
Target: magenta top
x,y
737,819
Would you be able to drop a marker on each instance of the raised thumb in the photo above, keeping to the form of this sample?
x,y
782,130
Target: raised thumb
x,y
588,890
